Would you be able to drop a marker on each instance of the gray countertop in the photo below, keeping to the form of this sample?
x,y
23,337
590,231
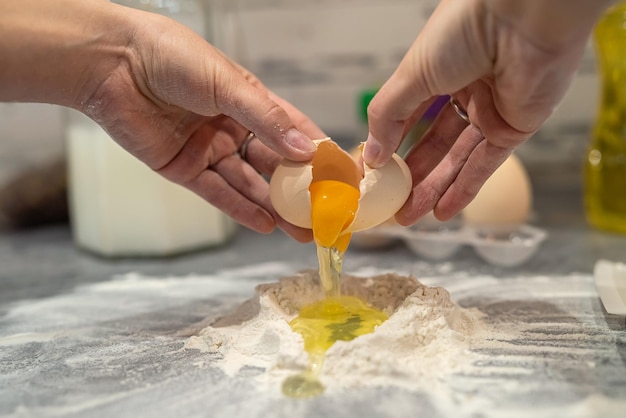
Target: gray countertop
x,y
77,338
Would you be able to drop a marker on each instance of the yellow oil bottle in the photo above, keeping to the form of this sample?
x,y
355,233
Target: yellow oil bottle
x,y
605,165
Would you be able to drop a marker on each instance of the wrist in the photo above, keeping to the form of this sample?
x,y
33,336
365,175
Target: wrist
x,y
58,52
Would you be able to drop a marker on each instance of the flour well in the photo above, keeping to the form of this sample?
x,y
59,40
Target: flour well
x,y
425,339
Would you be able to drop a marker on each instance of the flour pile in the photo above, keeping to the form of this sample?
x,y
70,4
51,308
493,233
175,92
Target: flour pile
x,y
426,337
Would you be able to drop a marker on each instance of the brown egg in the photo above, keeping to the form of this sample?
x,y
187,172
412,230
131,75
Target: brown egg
x,y
504,200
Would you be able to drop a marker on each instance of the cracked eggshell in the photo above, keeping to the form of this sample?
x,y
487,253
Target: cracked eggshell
x,y
383,190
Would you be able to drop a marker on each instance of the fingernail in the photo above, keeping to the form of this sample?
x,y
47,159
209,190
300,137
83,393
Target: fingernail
x,y
299,141
371,151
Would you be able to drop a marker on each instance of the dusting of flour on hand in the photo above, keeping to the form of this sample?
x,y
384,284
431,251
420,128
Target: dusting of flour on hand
x,y
426,337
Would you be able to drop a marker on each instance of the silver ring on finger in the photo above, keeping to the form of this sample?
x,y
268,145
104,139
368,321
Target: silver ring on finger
x,y
459,110
243,149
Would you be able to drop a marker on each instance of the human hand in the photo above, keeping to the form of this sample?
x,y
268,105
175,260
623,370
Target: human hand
x,y
183,108
163,93
506,63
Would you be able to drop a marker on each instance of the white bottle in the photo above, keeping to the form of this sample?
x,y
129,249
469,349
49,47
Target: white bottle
x,y
118,205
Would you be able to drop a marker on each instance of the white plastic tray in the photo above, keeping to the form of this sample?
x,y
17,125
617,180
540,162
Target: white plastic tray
x,y
440,240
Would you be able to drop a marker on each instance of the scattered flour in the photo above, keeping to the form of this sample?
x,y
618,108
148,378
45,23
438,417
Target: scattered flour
x,y
426,337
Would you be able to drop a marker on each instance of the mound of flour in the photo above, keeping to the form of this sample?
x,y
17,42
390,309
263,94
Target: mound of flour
x,y
425,338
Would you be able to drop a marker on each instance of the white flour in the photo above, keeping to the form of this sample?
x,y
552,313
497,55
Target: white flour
x,y
426,337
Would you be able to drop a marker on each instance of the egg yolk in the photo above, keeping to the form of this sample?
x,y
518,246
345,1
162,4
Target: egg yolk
x,y
333,207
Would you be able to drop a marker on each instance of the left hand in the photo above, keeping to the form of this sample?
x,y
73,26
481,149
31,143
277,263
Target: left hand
x,y
508,63
183,108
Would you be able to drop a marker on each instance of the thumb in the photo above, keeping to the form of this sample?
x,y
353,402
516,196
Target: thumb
x,y
253,108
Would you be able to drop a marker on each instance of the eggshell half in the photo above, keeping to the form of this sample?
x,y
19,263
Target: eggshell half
x,y
383,191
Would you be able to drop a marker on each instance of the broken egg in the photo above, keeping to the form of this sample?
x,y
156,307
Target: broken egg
x,y
334,196
378,193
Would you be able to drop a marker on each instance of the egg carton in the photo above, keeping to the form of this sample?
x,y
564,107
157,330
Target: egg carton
x,y
433,240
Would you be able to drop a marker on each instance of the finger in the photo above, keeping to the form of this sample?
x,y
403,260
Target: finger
x,y
435,143
481,164
299,234
253,108
261,157
302,122
215,189
242,177
211,142
404,128
479,102
386,128
427,193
